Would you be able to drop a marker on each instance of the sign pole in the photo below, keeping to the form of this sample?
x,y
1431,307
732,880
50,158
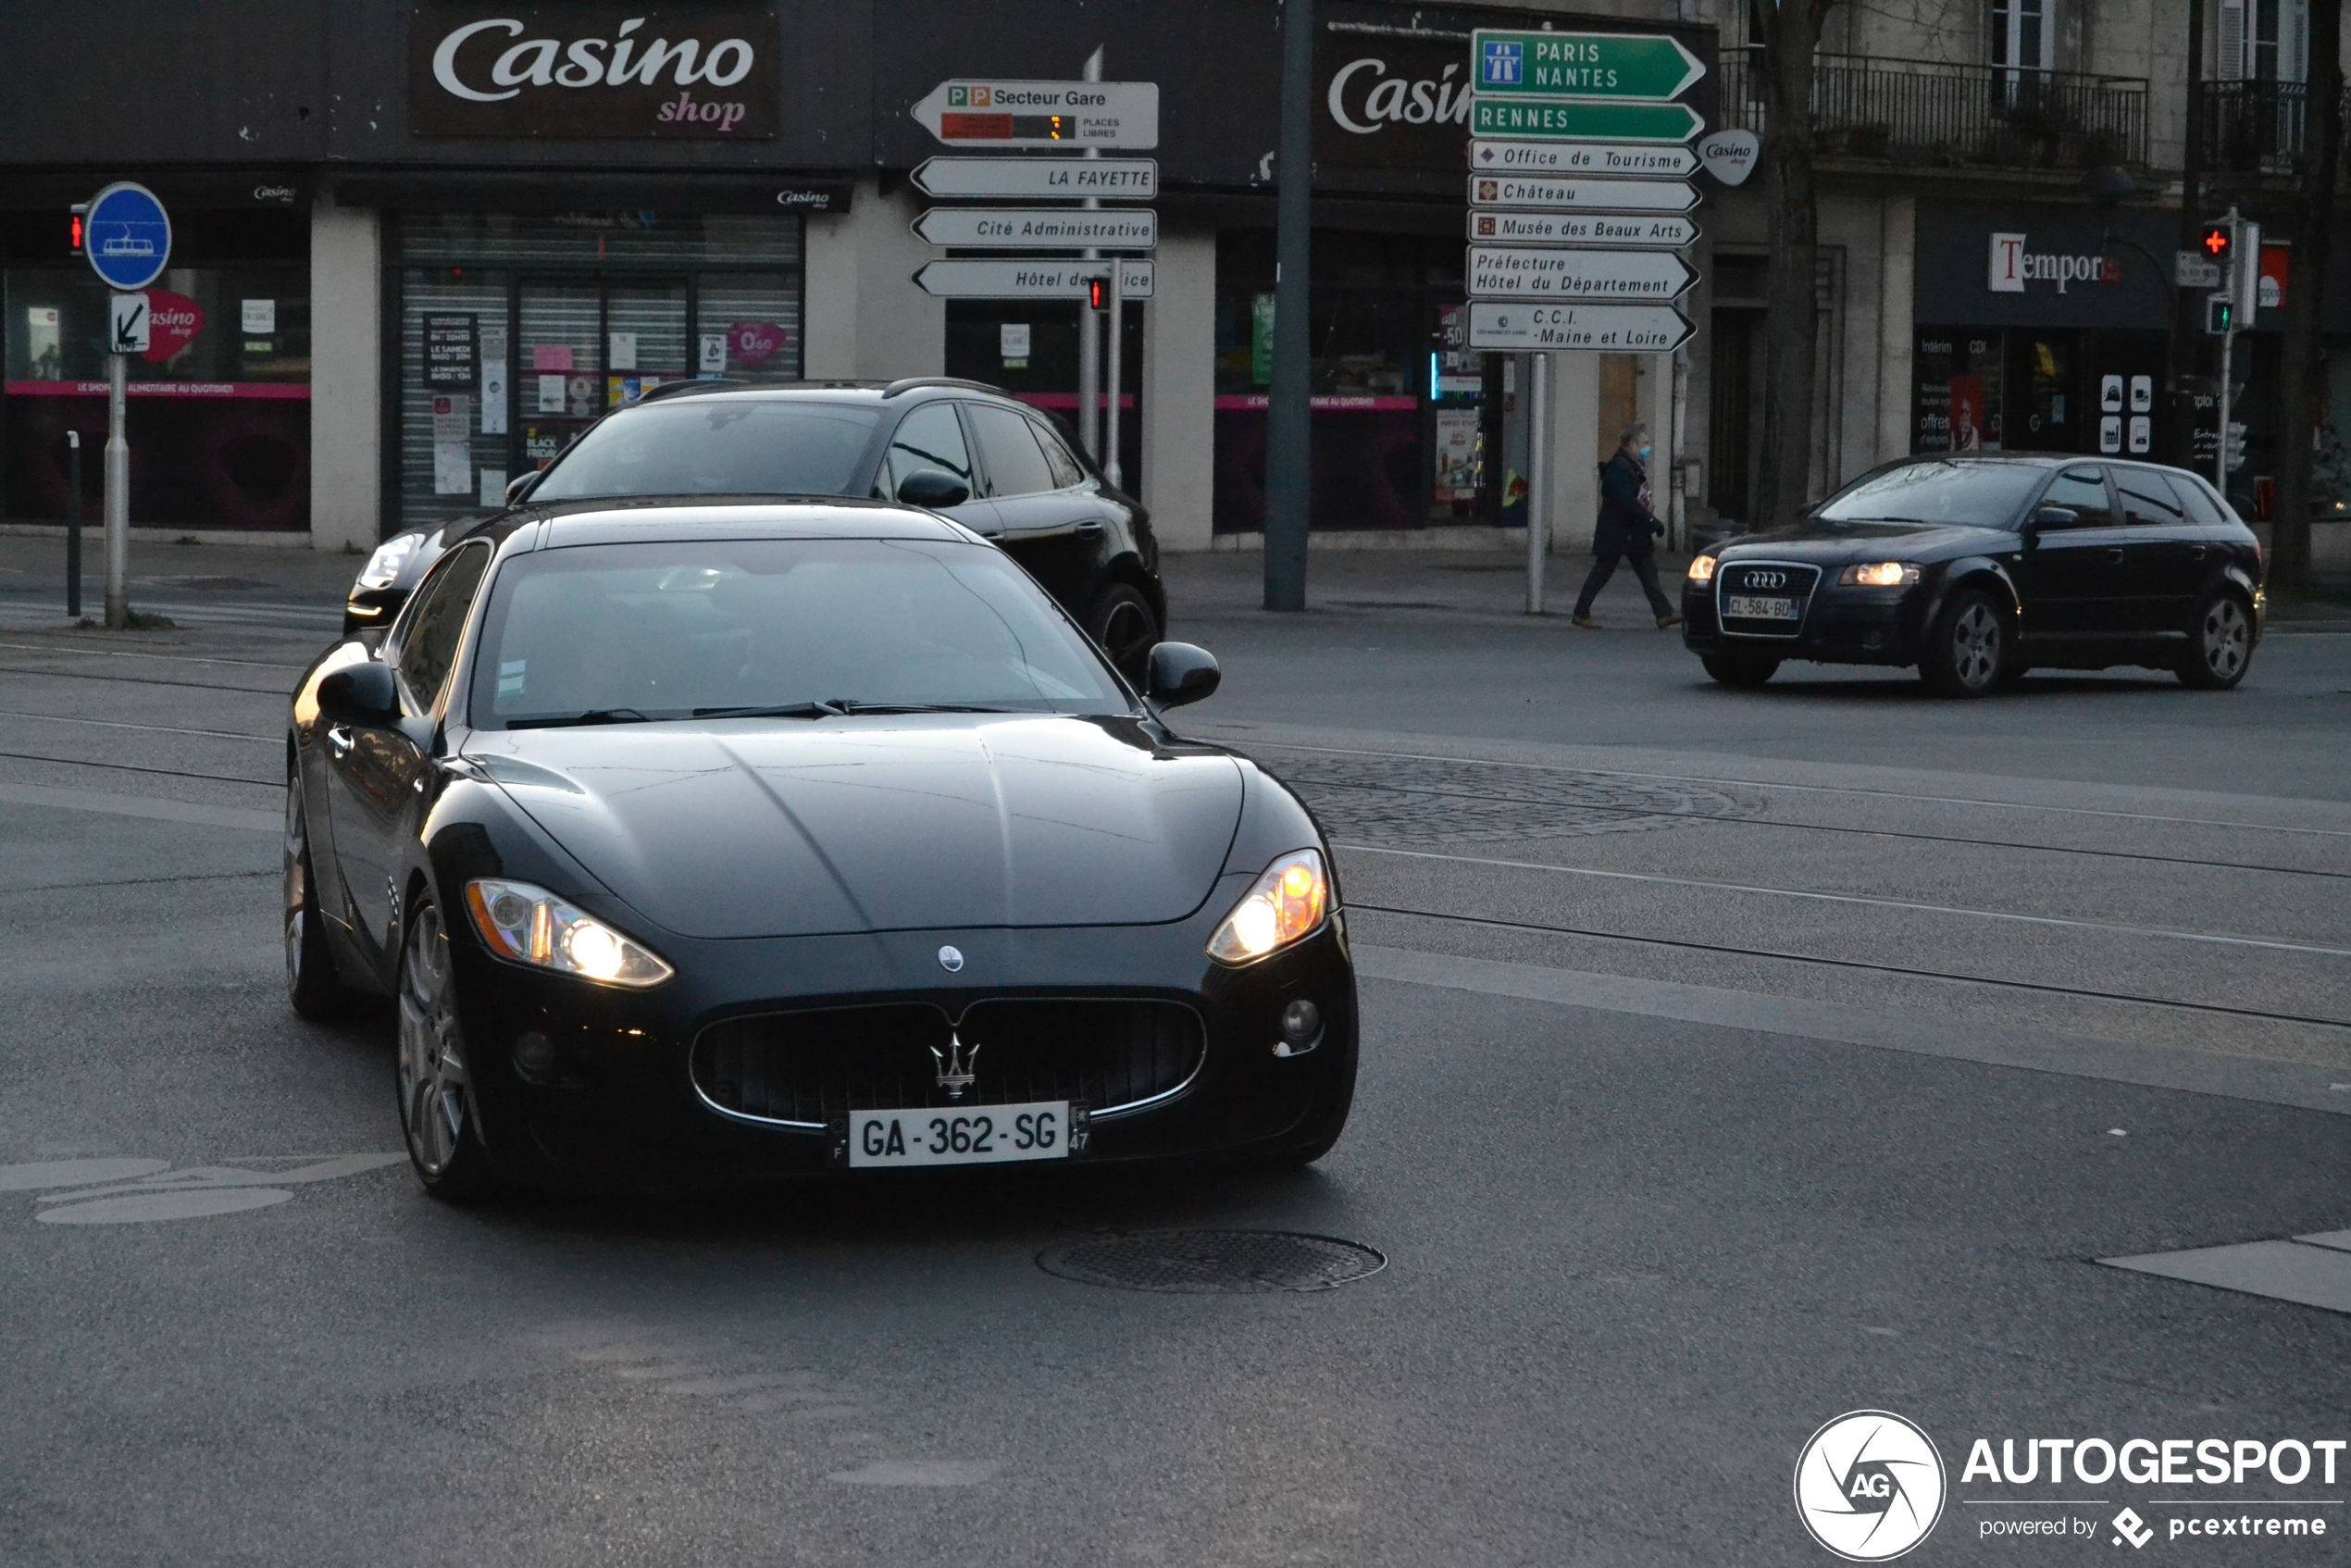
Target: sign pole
x,y
2228,350
1538,479
73,527
117,497
1111,468
1089,362
1289,411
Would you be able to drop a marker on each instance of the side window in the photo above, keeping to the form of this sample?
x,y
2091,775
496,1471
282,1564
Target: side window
x,y
931,437
2148,500
2084,490
428,643
1058,457
1015,465
2202,506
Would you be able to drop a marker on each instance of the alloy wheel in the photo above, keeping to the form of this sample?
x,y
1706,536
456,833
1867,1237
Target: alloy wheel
x,y
1128,636
2227,637
297,886
433,1083
1975,646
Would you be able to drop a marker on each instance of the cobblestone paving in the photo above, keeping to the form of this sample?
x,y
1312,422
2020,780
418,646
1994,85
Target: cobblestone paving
x,y
1426,800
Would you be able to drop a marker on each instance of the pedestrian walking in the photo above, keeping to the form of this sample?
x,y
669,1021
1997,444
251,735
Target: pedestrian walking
x,y
1628,529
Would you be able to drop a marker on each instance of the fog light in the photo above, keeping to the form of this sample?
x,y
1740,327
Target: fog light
x,y
1301,1029
535,1056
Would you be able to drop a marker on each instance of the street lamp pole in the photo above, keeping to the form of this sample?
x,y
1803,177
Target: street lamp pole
x,y
1288,421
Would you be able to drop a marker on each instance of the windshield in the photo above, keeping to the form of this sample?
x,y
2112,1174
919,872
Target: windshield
x,y
1961,491
616,633
717,446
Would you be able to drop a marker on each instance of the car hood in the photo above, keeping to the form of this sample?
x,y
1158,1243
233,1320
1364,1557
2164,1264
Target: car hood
x,y
771,828
1838,545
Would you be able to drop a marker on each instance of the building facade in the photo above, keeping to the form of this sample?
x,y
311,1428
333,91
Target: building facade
x,y
419,245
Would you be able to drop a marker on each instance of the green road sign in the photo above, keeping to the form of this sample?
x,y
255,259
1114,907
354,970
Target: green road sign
x,y
1581,65
1584,120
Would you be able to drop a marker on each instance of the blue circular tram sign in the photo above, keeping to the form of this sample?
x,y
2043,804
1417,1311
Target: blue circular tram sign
x,y
127,236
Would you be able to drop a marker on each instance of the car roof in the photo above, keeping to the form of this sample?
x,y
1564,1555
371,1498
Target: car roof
x,y
910,388
634,522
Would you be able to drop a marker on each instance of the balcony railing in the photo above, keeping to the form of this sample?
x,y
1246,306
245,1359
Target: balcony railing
x,y
1926,112
2254,127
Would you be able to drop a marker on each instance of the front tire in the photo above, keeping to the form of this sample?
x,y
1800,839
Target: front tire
x,y
1122,625
1968,648
438,1117
2220,643
316,991
1740,670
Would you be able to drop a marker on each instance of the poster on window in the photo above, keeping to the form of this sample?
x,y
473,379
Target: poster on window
x,y
1967,413
1456,453
449,354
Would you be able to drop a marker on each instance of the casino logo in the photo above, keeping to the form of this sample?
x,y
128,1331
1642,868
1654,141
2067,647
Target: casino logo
x,y
1869,1485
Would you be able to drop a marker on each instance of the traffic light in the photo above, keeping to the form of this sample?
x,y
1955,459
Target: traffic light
x,y
1097,294
2217,241
79,209
2218,311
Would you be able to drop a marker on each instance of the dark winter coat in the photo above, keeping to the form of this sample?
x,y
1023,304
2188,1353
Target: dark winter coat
x,y
1626,525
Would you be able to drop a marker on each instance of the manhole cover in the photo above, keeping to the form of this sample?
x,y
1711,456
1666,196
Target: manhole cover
x,y
1213,1262
1406,801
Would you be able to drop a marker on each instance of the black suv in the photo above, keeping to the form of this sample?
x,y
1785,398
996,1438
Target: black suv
x,y
1976,570
959,448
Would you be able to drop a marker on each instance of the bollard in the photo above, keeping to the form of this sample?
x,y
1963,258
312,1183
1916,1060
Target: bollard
x,y
73,527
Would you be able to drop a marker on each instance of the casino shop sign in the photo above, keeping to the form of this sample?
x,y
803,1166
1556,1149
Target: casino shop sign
x,y
708,69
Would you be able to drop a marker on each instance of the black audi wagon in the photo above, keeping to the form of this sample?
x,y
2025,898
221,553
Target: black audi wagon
x,y
961,449
1977,569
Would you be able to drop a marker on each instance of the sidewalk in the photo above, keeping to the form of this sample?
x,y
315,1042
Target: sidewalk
x,y
1482,583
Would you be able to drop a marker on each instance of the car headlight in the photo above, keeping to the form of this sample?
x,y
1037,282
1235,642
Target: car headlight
x,y
532,926
1701,568
1879,574
1287,904
383,568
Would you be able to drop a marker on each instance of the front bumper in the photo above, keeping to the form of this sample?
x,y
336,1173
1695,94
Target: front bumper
x,y
620,1106
1840,626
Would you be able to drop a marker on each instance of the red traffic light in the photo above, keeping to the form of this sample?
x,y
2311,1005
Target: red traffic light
x,y
2216,241
1097,294
77,231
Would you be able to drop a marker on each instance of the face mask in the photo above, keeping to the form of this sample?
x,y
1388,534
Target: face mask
x,y
1644,454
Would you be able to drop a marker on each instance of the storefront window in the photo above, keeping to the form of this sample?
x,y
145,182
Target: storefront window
x,y
2018,389
218,419
519,332
1404,419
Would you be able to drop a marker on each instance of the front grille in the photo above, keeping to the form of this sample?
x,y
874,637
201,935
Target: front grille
x,y
1773,579
805,1068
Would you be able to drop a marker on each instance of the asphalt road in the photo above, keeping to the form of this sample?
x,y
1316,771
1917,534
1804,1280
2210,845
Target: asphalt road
x,y
1732,1061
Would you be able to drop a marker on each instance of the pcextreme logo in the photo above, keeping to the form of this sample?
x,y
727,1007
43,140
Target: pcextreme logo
x,y
1869,1485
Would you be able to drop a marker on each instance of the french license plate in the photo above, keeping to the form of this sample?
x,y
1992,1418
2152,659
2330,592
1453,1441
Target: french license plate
x,y
982,1136
1752,607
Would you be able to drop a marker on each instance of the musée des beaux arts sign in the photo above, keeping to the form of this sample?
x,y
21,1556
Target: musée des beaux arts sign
x,y
707,69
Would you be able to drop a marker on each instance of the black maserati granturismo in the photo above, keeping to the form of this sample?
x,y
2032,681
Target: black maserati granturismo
x,y
1978,568
710,843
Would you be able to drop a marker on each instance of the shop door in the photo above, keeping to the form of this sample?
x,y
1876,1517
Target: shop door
x,y
590,344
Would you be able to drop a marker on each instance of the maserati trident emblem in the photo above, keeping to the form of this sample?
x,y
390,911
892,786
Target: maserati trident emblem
x,y
951,959
955,1064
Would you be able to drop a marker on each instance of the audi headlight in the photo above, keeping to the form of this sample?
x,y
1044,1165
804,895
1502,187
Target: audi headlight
x,y
1701,568
383,568
1287,904
1879,574
532,926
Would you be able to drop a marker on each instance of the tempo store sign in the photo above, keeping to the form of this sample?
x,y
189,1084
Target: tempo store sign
x,y
2013,265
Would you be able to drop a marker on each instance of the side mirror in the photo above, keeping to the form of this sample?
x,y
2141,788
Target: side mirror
x,y
933,488
2054,518
1179,673
360,694
522,485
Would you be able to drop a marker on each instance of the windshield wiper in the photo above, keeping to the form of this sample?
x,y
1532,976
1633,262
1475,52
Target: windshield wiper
x,y
593,715
848,706
784,710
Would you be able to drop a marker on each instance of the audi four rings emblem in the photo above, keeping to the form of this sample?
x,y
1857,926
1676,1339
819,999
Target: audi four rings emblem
x,y
1766,580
